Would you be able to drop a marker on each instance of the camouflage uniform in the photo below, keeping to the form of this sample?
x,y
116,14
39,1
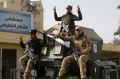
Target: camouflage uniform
x,y
83,45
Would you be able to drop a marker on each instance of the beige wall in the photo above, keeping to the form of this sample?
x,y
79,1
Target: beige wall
x,y
10,40
13,4
110,51
7,37
109,55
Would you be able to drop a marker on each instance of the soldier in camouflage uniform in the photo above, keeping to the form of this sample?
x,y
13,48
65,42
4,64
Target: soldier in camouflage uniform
x,y
67,24
32,52
81,52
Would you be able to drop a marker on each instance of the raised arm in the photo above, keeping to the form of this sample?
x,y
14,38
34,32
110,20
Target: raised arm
x,y
55,15
21,42
79,17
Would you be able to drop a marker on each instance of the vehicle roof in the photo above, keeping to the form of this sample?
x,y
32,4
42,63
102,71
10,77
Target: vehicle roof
x,y
89,32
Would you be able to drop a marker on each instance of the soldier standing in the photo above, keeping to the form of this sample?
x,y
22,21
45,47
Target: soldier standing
x,y
32,52
81,52
67,24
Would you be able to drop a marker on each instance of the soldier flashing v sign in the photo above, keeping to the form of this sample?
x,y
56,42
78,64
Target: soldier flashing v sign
x,y
67,24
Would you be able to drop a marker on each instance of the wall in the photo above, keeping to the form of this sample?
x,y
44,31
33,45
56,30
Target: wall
x,y
18,54
18,5
10,40
109,55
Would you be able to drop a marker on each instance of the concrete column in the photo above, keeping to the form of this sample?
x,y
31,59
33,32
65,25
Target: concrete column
x,y
0,64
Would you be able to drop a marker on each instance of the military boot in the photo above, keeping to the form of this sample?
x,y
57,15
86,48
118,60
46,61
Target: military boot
x,y
83,77
59,77
26,75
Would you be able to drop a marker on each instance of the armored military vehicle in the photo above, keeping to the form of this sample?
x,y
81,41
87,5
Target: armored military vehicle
x,y
54,51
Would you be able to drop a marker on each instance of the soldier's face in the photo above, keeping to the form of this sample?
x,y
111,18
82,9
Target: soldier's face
x,y
32,36
78,32
69,10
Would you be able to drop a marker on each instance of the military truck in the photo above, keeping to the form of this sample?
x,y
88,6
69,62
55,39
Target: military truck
x,y
54,51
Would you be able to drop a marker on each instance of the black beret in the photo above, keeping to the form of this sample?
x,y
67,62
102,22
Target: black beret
x,y
69,7
33,31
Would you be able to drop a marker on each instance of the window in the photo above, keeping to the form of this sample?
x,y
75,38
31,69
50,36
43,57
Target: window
x,y
95,47
44,51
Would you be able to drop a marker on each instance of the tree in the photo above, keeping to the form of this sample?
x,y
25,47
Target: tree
x,y
118,7
116,41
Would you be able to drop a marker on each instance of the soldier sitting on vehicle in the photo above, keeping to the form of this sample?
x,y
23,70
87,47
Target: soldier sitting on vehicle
x,y
67,24
81,52
32,52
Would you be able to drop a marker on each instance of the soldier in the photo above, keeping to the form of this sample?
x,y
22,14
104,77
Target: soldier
x,y
32,52
68,19
81,52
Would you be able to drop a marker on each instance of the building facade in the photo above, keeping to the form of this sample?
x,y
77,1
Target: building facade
x,y
111,52
10,51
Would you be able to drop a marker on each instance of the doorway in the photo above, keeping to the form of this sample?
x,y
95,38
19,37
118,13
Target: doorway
x,y
8,62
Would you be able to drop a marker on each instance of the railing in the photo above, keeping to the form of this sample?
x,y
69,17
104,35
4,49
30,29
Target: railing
x,y
13,73
111,74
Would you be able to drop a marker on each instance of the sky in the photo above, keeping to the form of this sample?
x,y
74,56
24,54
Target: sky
x,y
100,15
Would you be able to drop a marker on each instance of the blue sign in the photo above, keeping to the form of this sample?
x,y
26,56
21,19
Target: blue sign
x,y
11,21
